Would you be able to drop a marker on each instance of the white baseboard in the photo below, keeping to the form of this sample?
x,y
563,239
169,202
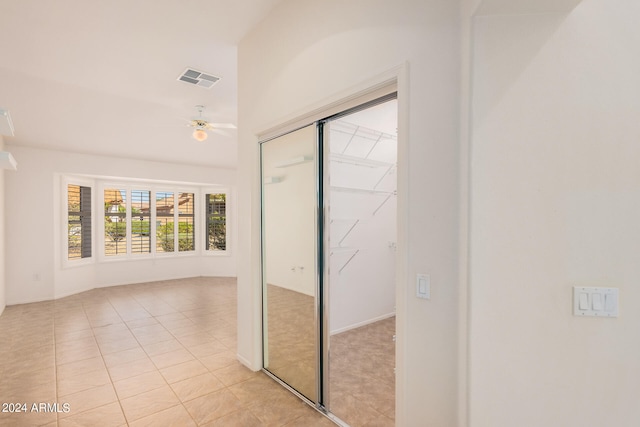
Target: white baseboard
x,y
245,362
363,323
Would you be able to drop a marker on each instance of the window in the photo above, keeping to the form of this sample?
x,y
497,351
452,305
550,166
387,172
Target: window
x,y
216,222
186,232
142,219
79,221
140,222
115,222
164,222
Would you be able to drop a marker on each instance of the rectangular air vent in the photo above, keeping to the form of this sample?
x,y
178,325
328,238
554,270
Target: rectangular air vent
x,y
198,78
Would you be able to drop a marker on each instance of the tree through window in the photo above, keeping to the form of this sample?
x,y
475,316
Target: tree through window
x,y
216,222
115,222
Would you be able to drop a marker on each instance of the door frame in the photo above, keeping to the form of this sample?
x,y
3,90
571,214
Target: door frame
x,y
393,80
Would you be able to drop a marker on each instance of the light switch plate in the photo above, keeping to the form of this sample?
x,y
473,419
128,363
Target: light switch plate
x,y
423,286
597,302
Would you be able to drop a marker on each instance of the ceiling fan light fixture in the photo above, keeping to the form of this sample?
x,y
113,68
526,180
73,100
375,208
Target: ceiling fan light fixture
x,y
199,135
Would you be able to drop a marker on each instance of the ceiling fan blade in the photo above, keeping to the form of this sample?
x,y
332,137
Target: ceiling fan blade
x,y
223,125
220,132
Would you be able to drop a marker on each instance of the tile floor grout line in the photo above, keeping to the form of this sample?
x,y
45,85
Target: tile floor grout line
x,y
93,332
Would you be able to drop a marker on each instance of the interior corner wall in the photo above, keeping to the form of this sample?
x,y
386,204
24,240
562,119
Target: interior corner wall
x,y
34,270
2,237
555,203
305,52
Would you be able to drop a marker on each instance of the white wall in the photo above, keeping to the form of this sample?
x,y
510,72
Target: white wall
x,y
555,203
362,284
2,236
306,53
34,259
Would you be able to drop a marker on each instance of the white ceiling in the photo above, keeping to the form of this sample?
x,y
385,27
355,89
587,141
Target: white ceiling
x,y
97,76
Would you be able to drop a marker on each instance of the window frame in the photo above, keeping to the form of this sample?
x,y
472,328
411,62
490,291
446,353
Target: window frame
x,y
154,235
177,190
228,221
130,220
192,215
127,220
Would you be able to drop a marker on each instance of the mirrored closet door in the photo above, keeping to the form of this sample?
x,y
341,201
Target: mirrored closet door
x,y
329,228
289,261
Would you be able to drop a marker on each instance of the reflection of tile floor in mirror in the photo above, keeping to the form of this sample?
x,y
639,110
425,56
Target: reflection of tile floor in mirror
x,y
362,360
292,339
152,354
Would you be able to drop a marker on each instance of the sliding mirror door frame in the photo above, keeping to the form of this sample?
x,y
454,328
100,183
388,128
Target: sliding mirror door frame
x,y
321,398
306,275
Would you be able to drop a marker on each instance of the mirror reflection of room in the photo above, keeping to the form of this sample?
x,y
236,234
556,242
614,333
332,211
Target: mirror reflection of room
x,y
290,236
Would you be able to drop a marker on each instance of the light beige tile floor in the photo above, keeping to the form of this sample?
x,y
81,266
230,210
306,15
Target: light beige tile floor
x,y
361,360
291,339
154,354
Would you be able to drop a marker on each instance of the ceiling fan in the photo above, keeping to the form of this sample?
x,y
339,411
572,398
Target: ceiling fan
x,y
200,125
